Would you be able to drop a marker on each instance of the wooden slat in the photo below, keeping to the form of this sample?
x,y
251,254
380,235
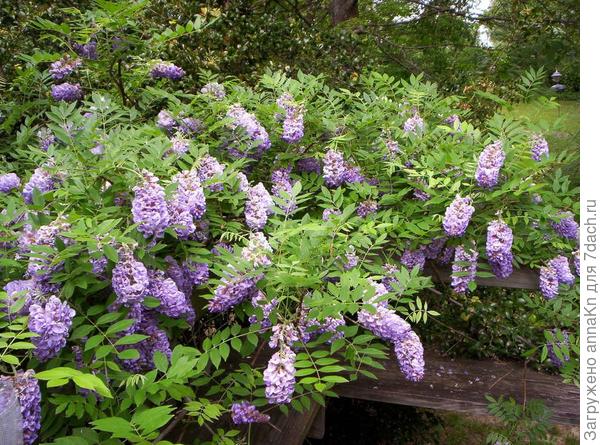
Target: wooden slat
x,y
317,429
289,430
523,278
461,385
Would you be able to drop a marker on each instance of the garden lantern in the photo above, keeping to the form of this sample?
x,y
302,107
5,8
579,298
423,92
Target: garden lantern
x,y
555,76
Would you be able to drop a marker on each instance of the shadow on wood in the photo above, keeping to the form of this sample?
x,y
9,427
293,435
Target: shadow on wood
x,y
288,430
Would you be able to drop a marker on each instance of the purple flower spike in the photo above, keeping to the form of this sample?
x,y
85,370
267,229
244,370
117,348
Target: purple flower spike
x,y
458,215
149,207
463,269
52,323
539,147
245,412
409,353
498,248
164,70
8,182
129,279
548,282
259,206
30,398
490,162
67,92
279,377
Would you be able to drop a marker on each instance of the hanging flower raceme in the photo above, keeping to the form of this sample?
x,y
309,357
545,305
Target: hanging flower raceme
x,y
173,302
8,182
351,258
87,50
293,121
149,207
209,168
259,300
308,165
257,251
463,268
99,265
187,275
259,205
446,256
42,181
566,227
366,208
165,70
562,267
243,184
45,138
490,162
214,90
282,183
499,248
52,322
409,353
40,267
414,124
165,121
334,168
233,289
558,344
413,259
157,341
392,147
328,212
67,92
433,250
259,138
576,261
548,282
129,279
539,147
245,412
187,204
17,290
29,397
64,67
458,215
279,376
179,145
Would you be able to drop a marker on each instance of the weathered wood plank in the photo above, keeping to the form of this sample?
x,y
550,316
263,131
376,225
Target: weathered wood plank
x,y
289,430
317,429
523,278
461,385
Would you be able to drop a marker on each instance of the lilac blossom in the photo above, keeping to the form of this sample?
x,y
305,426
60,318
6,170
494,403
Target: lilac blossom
x,y
279,377
209,168
42,181
566,227
157,341
52,323
149,207
179,145
413,259
490,162
282,185
548,282
67,92
173,302
559,345
351,258
499,248
287,334
334,168
259,300
188,274
257,251
64,67
259,205
562,267
20,289
308,165
189,193
463,268
293,122
245,412
366,208
232,291
129,279
214,90
243,184
165,121
539,147
166,70
259,138
8,182
458,215
45,138
29,396
384,323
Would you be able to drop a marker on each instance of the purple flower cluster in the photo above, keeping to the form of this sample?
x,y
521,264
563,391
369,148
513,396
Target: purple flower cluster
x,y
165,70
390,277
260,301
562,267
8,182
187,204
40,267
45,138
232,291
413,259
17,289
245,412
179,145
293,122
308,165
259,205
458,215
452,120
30,398
208,169
490,162
366,208
351,258
409,352
393,148
328,212
433,250
560,345
129,279
99,265
52,323
64,67
257,134
149,207
566,227
548,282
187,275
257,251
498,248
421,195
384,323
157,341
281,184
87,50
214,90
165,121
414,124
336,171
67,92
539,147
41,180
463,268
279,377
173,302
576,261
